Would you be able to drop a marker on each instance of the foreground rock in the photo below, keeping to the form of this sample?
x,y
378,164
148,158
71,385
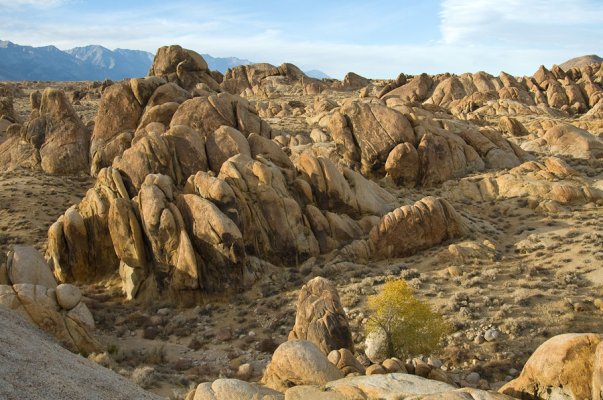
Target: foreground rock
x,y
563,367
28,287
320,317
233,389
64,375
298,362
388,387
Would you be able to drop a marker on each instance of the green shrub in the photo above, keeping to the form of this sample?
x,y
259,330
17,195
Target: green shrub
x,y
410,326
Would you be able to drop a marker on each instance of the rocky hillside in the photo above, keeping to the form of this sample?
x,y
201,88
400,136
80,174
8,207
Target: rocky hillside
x,y
233,226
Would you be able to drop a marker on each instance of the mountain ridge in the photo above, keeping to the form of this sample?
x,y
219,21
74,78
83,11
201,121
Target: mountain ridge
x,y
91,62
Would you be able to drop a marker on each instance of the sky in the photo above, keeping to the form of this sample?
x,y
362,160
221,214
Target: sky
x,y
376,39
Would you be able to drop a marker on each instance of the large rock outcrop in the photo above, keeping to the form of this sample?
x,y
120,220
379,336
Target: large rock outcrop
x,y
571,92
414,145
564,366
184,67
568,140
550,181
267,80
53,140
320,317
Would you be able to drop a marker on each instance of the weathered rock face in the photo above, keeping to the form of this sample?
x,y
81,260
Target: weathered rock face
x,y
114,126
206,114
79,244
178,153
54,139
182,66
568,140
368,132
299,362
553,180
466,94
408,229
320,317
562,367
351,81
346,362
415,145
266,80
32,291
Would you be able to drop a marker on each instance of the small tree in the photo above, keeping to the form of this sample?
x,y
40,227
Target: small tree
x,y
409,325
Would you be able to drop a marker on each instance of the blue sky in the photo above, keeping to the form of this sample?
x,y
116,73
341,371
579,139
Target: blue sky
x,y
378,39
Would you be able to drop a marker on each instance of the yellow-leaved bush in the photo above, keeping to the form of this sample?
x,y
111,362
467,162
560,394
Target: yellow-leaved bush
x,y
409,325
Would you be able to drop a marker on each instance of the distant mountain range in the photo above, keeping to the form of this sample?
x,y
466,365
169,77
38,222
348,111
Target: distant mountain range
x,y
88,63
314,73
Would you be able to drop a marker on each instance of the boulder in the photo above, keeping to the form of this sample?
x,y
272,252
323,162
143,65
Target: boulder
x,y
117,118
345,361
320,317
370,131
402,165
182,66
299,362
408,229
375,346
224,143
562,367
26,265
568,140
206,114
388,386
68,296
233,389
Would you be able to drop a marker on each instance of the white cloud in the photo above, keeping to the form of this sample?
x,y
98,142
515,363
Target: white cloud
x,y
15,4
507,35
519,22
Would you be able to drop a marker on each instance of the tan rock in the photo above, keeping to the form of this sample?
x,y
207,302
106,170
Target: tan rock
x,y
168,93
206,114
233,389
562,365
402,164
375,369
299,362
68,296
320,317
411,228
118,112
26,265
345,361
565,139
224,143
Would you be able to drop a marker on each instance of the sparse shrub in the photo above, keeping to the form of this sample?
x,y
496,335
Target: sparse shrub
x,y
144,377
410,326
155,356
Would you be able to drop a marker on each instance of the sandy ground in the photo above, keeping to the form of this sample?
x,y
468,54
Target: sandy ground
x,y
543,279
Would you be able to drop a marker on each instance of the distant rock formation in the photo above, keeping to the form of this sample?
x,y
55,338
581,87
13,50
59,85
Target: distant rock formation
x,y
582,61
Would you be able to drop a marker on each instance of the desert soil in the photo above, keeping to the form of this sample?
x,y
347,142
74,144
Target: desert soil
x,y
543,279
